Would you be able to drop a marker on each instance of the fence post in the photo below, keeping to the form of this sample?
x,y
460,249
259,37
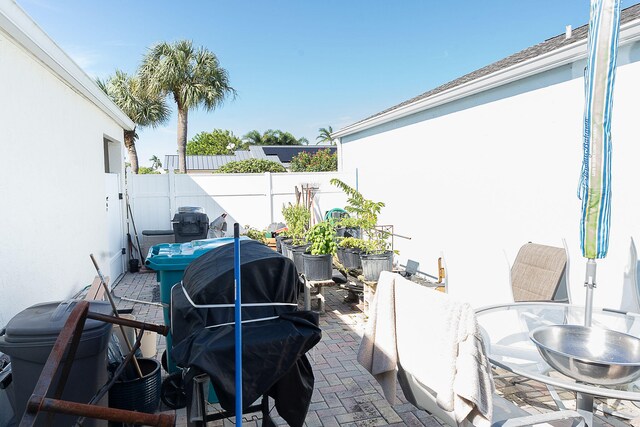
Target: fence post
x,y
171,176
269,194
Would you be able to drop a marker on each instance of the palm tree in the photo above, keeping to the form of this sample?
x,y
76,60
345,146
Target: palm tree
x,y
155,162
192,76
140,106
273,137
253,138
325,136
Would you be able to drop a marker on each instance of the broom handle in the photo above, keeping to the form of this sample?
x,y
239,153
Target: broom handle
x,y
115,313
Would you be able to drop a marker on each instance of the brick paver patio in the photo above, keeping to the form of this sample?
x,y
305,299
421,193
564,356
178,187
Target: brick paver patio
x,y
345,393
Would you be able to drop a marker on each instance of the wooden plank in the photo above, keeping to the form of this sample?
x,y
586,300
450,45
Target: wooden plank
x,y
96,291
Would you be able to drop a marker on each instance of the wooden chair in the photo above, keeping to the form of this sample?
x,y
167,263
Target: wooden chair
x,y
96,291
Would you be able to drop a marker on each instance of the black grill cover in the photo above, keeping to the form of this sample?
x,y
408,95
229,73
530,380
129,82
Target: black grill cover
x,y
274,360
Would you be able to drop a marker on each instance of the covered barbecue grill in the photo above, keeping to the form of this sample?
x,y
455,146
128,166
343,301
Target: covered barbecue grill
x,y
275,335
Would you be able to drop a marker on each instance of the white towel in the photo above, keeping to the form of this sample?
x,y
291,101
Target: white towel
x,y
437,340
377,351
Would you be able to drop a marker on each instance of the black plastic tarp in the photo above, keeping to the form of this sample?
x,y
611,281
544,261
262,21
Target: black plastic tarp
x,y
274,360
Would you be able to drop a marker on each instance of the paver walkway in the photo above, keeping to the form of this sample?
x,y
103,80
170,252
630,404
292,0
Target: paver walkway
x,y
345,393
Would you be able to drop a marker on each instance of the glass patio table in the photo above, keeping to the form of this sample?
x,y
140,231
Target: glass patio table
x,y
506,328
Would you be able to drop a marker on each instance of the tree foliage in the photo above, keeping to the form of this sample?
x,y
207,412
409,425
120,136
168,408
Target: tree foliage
x,y
216,142
321,161
273,137
192,76
141,106
155,162
252,166
324,136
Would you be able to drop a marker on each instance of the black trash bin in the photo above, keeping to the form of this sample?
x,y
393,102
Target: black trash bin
x,y
28,340
190,223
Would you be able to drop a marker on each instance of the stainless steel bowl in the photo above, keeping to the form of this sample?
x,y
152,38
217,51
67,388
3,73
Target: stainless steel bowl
x,y
589,354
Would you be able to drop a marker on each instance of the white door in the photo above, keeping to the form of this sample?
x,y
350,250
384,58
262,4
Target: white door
x,y
115,236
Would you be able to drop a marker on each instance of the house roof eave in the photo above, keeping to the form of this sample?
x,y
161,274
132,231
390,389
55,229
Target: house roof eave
x,y
629,33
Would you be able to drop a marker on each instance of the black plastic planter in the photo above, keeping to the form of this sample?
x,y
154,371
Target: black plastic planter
x,y
285,245
317,267
297,252
349,258
138,394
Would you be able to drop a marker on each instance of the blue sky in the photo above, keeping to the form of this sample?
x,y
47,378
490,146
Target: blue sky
x,y
299,65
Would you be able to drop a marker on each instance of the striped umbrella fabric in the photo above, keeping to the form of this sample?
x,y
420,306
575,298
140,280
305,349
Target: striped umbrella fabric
x,y
595,183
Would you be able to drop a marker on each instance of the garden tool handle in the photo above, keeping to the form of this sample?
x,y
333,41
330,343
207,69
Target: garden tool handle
x,y
115,313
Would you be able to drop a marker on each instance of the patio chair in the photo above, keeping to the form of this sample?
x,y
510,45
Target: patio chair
x,y
431,343
540,273
631,284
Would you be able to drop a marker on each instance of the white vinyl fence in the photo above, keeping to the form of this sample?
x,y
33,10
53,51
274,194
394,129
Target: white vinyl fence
x,y
248,199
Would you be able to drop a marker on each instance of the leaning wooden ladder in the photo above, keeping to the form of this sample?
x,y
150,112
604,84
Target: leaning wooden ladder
x,y
66,345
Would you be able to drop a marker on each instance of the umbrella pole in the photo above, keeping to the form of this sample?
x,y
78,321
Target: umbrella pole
x,y
589,283
238,321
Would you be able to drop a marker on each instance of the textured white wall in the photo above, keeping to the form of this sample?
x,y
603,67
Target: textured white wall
x,y
52,187
477,178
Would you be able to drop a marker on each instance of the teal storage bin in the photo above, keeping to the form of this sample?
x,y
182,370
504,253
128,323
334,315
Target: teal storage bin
x,y
169,260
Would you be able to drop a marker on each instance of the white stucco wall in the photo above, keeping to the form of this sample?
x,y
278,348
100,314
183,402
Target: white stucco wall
x,y
52,187
477,178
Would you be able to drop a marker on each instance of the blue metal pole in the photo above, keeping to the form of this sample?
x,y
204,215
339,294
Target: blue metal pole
x,y
238,320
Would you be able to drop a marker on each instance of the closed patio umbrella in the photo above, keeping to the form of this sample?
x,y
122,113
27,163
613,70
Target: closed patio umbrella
x,y
595,182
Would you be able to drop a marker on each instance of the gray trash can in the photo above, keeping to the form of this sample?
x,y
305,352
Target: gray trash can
x,y
28,340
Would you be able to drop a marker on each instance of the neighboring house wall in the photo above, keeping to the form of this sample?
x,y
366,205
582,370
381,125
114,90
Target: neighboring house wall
x,y
249,199
53,144
484,174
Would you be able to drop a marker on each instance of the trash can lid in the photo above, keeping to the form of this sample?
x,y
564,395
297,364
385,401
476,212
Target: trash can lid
x,y
42,323
176,256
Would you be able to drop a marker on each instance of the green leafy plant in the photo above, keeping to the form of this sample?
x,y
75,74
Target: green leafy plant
x,y
364,214
353,243
255,234
322,237
321,161
143,170
297,218
251,166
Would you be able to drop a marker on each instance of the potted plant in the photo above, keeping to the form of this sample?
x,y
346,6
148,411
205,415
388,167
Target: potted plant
x,y
375,255
297,218
348,252
255,234
318,259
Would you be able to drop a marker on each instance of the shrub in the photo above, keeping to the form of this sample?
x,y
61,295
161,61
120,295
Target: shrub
x,y
251,166
321,161
146,170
